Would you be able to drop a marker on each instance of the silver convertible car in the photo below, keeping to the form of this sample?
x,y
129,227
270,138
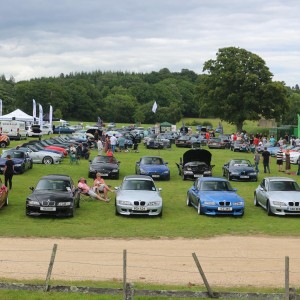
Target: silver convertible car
x,y
279,196
138,195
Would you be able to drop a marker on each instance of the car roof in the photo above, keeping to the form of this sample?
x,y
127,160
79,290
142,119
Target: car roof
x,y
56,176
212,179
138,177
279,179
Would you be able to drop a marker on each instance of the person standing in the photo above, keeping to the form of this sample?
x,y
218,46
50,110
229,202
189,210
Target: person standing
x,y
113,142
266,160
99,147
256,160
8,171
279,159
287,161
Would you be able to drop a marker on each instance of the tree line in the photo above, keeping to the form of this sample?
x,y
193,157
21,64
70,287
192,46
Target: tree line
x,y
235,87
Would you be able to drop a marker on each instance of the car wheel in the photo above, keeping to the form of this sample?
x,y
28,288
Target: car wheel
x,y
31,164
6,201
3,145
255,200
183,177
47,160
188,201
269,212
168,178
22,169
116,212
199,208
160,214
78,203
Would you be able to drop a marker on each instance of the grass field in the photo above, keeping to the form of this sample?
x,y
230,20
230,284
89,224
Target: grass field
x,y
97,219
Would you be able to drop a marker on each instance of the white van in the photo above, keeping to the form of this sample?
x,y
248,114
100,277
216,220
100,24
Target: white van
x,y
15,130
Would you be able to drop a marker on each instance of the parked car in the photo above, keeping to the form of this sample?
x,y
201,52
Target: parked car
x,y
187,141
240,146
278,196
63,130
153,166
54,195
22,160
215,143
42,157
4,140
239,169
107,166
215,196
47,147
138,195
195,163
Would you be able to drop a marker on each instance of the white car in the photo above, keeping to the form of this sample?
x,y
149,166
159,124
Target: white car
x,y
43,157
36,130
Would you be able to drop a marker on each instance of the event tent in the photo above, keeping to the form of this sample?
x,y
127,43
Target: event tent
x,y
17,115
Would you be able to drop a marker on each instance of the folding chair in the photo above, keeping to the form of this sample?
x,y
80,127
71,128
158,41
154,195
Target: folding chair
x,y
84,197
73,159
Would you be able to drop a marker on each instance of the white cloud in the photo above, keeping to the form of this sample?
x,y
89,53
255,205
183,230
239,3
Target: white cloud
x,y
46,38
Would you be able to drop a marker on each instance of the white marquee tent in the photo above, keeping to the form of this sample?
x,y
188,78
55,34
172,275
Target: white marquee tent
x,y
17,115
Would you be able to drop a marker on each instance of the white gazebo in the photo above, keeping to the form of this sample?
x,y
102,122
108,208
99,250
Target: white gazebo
x,y
17,115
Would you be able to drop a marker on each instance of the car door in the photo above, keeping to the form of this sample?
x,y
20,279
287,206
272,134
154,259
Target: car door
x,y
28,161
194,194
261,193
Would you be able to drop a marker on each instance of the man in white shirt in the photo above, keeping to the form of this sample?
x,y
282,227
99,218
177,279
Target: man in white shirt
x,y
113,142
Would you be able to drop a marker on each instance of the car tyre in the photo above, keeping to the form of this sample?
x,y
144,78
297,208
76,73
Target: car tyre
x,y
116,212
199,208
3,145
269,212
255,200
47,160
228,176
188,201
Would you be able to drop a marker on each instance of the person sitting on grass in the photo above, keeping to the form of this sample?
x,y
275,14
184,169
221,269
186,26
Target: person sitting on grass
x,y
82,185
101,187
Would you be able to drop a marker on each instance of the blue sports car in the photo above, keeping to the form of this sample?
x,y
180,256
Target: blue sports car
x,y
215,196
153,166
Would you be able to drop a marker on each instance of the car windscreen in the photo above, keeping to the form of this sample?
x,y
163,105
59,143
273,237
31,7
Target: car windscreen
x,y
135,185
104,159
49,184
240,163
13,154
215,186
151,161
283,186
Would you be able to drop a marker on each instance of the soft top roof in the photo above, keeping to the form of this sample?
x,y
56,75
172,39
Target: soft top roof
x,y
197,155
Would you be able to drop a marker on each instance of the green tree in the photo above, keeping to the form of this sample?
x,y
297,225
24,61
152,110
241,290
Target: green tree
x,y
238,87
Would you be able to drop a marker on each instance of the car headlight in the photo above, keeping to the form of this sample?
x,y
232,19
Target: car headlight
x,y
154,203
188,169
279,203
33,202
166,172
234,173
238,203
115,170
209,203
207,172
64,203
121,202
253,173
92,169
143,171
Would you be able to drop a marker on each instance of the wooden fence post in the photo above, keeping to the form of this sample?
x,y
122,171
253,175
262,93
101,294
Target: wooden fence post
x,y
210,292
124,272
50,267
287,278
129,291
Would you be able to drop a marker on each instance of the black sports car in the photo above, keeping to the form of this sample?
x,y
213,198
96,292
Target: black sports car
x,y
107,166
195,163
239,169
22,160
54,195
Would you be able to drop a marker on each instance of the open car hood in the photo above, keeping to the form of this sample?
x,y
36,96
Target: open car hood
x,y
197,155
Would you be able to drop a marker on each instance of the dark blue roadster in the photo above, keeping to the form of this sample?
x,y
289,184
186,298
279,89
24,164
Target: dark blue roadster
x,y
215,196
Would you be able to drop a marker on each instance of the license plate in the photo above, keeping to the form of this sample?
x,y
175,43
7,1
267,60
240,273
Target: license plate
x,y
48,208
225,208
198,175
294,208
103,175
244,176
2,169
139,208
155,176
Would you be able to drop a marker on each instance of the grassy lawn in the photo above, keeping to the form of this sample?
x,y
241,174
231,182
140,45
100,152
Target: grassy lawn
x,y
97,219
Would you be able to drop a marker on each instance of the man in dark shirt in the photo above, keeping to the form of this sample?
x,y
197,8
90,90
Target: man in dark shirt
x,y
8,171
266,160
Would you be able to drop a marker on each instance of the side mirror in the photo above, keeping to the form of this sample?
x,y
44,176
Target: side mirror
x,y
235,189
159,189
31,188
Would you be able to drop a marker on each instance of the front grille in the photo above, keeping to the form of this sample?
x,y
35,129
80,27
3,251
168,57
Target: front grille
x,y
139,203
294,203
224,203
48,203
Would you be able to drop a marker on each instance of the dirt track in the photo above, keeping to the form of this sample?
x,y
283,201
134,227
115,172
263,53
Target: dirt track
x,y
226,261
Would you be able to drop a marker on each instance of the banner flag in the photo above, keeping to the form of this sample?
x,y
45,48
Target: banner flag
x,y
0,107
41,114
34,108
154,107
50,115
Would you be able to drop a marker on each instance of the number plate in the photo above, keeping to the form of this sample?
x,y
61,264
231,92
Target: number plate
x,y
103,175
244,176
139,208
294,208
225,208
48,208
198,175
155,176
2,169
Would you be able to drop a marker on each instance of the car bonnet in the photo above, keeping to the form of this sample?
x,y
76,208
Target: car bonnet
x,y
197,155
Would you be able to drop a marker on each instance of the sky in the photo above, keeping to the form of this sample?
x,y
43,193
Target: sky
x,y
44,38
